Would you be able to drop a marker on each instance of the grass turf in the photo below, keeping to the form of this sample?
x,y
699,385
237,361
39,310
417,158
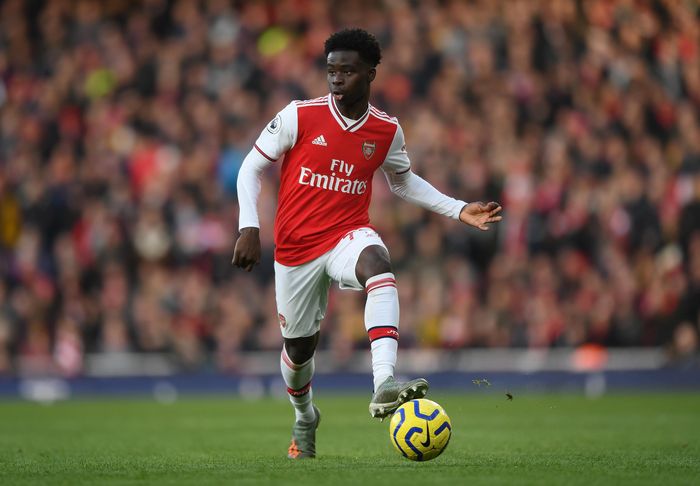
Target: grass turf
x,y
542,439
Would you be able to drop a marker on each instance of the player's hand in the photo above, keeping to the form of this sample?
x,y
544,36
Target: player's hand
x,y
478,214
246,254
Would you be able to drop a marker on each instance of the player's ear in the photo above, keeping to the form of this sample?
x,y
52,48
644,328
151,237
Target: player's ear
x,y
371,74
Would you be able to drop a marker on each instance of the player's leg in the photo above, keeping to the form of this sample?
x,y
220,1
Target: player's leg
x,y
374,273
297,365
302,295
360,261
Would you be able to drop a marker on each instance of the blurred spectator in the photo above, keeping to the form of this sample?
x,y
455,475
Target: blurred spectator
x,y
684,347
123,126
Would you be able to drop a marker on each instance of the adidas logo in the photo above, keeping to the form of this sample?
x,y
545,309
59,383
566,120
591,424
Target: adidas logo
x,y
320,141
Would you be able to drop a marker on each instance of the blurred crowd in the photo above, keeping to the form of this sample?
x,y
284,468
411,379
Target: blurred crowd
x,y
123,125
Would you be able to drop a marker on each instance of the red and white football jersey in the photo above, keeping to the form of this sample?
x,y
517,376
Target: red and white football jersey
x,y
326,178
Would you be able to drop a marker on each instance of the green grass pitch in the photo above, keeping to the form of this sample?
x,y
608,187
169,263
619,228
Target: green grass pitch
x,y
538,439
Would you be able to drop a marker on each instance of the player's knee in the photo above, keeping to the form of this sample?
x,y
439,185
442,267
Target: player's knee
x,y
298,353
374,260
300,350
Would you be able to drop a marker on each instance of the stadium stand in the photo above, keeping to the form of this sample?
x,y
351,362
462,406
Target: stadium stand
x,y
123,125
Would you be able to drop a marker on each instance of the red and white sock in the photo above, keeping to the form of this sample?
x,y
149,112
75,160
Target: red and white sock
x,y
298,380
382,324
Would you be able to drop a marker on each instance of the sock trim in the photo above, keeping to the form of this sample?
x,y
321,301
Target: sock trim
x,y
381,287
291,364
379,281
379,332
299,391
385,282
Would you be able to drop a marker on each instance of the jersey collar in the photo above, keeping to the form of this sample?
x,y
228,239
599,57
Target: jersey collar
x,y
339,118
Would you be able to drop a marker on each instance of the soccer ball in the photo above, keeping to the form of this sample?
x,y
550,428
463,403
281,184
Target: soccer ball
x,y
420,430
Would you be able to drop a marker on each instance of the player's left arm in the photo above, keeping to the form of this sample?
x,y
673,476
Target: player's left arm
x,y
413,188
479,214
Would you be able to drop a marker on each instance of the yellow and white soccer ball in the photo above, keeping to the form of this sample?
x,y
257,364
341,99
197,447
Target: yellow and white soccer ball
x,y
420,430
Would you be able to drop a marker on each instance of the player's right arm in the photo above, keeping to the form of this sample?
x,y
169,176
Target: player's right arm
x,y
246,253
277,138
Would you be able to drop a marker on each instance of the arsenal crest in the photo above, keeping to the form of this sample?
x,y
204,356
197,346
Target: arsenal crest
x,y
368,149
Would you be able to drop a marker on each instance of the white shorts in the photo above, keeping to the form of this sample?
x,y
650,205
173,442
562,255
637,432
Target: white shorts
x,y
302,291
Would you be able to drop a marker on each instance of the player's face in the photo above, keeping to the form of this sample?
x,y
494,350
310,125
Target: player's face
x,y
349,77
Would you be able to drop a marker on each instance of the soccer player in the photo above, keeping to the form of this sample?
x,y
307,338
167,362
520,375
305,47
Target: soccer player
x,y
332,146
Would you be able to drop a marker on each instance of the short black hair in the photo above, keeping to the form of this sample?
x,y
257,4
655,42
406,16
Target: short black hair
x,y
359,40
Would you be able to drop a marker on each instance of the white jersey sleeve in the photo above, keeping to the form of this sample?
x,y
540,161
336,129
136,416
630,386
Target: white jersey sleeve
x,y
280,134
277,137
413,188
248,188
397,160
